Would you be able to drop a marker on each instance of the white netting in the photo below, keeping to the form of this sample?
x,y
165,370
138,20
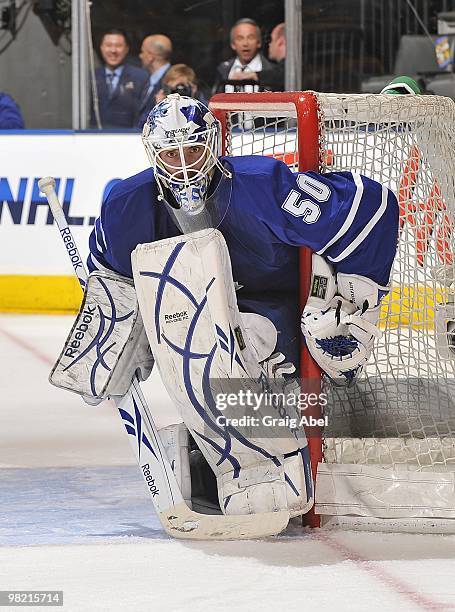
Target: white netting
x,y
402,415
271,136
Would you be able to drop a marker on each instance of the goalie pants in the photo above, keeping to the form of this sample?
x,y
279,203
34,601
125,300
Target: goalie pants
x,y
284,311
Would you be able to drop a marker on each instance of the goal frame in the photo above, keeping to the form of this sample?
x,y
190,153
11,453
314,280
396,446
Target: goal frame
x,y
405,464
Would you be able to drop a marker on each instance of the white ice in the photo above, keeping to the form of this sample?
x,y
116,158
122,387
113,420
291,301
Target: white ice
x,y
74,516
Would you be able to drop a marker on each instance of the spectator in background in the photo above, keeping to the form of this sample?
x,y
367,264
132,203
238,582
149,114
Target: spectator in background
x,y
235,74
181,79
155,56
10,114
119,84
273,78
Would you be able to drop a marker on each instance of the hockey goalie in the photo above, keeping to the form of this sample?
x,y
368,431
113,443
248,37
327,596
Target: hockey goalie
x,y
197,258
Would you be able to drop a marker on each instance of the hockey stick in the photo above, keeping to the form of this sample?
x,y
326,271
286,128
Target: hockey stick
x,y
175,516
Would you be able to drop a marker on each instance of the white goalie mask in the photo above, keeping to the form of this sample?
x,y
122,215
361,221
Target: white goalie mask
x,y
182,140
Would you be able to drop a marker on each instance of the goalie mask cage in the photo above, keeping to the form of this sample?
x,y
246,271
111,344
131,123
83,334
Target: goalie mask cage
x,y
386,459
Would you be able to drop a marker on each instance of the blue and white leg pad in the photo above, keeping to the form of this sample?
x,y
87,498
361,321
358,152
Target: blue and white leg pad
x,y
187,300
107,343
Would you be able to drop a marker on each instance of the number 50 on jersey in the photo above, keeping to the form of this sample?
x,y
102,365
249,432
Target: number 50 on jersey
x,y
305,208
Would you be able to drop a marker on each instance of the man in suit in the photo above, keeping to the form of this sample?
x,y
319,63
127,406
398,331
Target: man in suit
x,y
273,78
155,56
119,85
243,72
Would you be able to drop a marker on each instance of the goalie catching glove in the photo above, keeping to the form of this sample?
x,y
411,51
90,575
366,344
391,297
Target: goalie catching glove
x,y
339,321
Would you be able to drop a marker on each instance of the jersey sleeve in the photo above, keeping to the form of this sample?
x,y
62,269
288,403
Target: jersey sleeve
x,y
128,217
349,219
102,254
110,241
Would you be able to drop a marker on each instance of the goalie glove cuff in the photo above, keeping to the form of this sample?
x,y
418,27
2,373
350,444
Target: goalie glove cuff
x,y
360,290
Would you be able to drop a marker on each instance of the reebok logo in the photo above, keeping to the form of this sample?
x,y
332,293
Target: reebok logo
x,y
71,248
150,480
85,319
172,133
176,316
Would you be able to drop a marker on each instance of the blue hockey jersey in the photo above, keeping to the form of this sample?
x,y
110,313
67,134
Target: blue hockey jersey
x,y
349,219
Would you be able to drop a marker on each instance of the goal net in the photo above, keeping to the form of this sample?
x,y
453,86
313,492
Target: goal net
x,y
388,450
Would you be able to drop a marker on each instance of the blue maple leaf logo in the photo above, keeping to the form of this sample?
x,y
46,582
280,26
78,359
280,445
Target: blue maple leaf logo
x,y
193,113
161,110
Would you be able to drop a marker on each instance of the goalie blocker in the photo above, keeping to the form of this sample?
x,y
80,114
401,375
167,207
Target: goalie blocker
x,y
107,344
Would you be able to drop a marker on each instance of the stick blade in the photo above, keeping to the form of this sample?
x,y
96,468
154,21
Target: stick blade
x,y
182,523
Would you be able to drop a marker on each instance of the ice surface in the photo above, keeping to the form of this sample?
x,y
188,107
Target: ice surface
x,y
74,516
